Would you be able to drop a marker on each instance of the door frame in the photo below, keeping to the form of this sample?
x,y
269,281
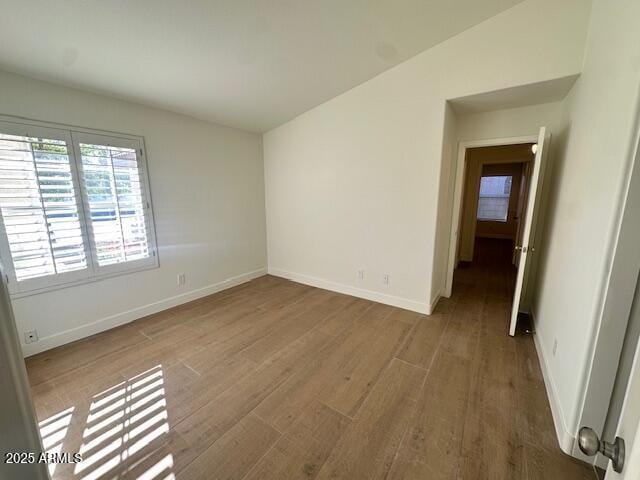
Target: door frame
x,y
458,194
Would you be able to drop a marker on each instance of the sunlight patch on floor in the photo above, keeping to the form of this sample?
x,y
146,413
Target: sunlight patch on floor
x,y
123,427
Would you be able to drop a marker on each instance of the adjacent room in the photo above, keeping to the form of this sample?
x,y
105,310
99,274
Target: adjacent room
x,y
320,240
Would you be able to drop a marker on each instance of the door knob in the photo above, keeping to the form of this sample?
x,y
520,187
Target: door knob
x,y
590,444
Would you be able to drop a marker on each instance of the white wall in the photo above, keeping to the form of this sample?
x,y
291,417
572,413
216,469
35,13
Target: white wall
x,y
590,171
511,122
354,183
207,186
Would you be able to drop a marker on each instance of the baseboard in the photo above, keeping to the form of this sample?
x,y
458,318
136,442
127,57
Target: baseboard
x,y
354,291
566,439
83,331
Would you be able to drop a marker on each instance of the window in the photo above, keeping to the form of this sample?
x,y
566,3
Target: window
x,y
493,201
75,206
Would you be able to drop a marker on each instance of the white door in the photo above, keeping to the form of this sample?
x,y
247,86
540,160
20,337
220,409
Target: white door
x,y
529,220
628,255
621,453
609,370
628,428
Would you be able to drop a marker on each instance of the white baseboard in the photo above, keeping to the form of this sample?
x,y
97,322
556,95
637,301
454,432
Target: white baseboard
x,y
83,331
354,291
566,439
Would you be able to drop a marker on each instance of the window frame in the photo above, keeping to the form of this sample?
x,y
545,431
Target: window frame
x,y
508,197
73,136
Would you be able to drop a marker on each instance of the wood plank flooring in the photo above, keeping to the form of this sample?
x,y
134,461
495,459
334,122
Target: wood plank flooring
x,y
277,380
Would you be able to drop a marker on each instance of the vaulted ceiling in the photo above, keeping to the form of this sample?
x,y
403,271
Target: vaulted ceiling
x,y
252,64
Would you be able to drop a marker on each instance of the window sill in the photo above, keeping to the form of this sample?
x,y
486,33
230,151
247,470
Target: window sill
x,y
83,281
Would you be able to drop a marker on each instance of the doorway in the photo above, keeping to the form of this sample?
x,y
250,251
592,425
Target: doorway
x,y
495,192
495,211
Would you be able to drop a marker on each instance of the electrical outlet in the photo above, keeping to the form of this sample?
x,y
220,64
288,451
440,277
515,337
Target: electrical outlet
x,y
555,346
360,274
385,279
182,279
31,336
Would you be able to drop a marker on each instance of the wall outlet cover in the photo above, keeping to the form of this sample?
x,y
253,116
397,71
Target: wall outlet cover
x,y
30,336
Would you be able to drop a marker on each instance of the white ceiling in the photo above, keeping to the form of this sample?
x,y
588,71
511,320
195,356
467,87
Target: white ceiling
x,y
252,64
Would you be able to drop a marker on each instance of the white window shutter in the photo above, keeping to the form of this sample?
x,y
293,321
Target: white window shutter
x,y
39,207
115,191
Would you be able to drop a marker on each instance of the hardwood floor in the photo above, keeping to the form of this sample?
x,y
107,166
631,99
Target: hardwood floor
x,y
277,380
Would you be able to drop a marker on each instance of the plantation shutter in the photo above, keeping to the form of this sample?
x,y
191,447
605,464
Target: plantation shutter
x,y
39,204
115,199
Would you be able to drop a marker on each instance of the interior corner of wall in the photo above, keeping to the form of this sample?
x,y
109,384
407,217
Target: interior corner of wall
x,y
434,302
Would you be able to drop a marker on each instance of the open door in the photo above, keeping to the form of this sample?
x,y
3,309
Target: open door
x,y
530,215
620,318
623,454
628,429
